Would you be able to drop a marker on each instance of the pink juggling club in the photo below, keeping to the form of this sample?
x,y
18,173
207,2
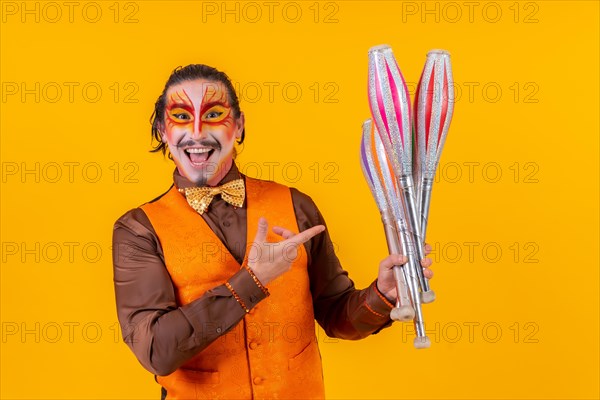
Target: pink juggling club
x,y
391,110
434,105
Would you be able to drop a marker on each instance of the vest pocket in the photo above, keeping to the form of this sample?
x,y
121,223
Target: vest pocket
x,y
310,354
198,376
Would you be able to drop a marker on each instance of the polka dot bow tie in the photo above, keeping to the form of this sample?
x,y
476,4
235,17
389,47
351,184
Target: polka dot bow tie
x,y
199,198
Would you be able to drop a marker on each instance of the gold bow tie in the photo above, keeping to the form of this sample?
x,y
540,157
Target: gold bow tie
x,y
199,198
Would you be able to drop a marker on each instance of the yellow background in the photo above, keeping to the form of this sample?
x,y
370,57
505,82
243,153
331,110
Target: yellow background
x,y
522,323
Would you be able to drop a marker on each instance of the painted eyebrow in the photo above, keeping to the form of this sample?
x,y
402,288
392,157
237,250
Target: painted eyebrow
x,y
214,103
180,105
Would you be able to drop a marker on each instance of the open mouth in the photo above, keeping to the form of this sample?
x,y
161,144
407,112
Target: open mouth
x,y
199,156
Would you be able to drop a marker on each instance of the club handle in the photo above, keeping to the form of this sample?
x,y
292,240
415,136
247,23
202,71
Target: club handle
x,y
403,310
413,225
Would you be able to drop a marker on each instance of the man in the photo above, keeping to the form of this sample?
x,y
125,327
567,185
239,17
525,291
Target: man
x,y
210,314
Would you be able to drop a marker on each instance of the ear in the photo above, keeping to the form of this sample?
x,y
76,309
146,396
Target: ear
x,y
239,125
163,137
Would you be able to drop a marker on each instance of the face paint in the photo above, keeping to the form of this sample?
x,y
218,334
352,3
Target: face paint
x,y
200,130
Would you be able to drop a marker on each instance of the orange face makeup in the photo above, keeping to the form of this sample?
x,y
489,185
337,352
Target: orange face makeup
x,y
213,109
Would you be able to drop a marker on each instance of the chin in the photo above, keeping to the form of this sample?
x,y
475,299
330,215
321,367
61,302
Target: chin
x,y
209,173
200,180
195,176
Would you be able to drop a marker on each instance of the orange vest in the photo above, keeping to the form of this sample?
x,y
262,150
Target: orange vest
x,y
273,352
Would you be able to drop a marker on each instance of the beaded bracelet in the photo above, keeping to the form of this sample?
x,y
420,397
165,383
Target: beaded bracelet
x,y
237,297
382,297
255,279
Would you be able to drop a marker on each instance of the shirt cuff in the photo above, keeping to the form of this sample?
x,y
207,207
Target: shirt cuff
x,y
246,288
377,303
210,319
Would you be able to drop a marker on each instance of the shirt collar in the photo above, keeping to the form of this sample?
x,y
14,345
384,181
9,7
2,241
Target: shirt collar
x,y
182,182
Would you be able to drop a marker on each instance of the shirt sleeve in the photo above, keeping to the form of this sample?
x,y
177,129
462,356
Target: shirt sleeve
x,y
161,334
342,310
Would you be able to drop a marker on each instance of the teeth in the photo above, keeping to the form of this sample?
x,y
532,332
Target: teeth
x,y
198,150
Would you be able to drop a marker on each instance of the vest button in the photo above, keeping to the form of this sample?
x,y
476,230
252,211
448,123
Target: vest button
x,y
253,345
258,380
226,223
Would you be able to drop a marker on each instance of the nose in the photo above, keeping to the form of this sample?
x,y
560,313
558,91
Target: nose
x,y
198,132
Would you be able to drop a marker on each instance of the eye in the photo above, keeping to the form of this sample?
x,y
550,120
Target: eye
x,y
213,114
180,115
216,114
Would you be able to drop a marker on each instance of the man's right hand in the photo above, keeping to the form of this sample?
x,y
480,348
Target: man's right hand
x,y
270,260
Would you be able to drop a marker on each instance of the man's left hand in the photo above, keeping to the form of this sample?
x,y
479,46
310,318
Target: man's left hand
x,y
385,280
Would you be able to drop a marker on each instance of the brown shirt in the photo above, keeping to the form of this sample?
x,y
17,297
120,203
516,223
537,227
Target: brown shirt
x,y
163,335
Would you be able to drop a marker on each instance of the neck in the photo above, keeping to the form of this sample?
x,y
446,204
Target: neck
x,y
221,173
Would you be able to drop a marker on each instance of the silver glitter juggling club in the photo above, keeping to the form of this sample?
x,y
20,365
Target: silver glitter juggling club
x,y
390,107
434,106
389,209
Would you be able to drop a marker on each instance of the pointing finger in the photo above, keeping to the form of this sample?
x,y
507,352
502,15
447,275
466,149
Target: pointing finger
x,y
306,235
